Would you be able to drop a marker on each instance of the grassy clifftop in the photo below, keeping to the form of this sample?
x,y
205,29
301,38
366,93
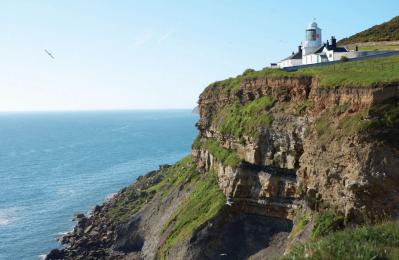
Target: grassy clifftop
x,y
368,73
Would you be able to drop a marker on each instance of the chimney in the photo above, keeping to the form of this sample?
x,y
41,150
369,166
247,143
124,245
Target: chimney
x,y
333,42
328,43
299,48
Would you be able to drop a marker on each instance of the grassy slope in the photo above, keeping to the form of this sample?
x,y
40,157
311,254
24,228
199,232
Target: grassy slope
x,y
161,182
388,31
367,242
201,205
203,202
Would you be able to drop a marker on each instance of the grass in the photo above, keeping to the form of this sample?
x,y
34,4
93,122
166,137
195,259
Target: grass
x,y
368,242
353,123
301,223
137,195
367,73
326,223
221,154
238,120
377,47
322,126
202,204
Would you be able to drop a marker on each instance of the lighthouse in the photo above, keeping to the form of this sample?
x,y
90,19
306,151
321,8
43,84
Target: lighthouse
x,y
312,39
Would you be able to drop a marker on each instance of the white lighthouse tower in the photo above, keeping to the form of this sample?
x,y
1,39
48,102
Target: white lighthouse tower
x,y
312,39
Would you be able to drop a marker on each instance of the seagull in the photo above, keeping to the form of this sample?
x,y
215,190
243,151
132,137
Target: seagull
x,y
49,53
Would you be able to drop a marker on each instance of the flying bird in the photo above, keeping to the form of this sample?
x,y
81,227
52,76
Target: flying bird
x,y
49,54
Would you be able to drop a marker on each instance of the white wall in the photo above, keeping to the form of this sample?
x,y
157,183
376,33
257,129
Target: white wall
x,y
356,54
311,59
290,63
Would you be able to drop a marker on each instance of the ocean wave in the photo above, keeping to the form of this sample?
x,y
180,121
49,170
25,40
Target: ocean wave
x,y
4,221
110,196
7,215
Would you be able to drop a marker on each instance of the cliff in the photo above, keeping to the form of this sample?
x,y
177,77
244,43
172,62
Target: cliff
x,y
280,159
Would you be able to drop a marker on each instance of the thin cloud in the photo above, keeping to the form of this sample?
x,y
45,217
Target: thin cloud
x,y
165,36
143,38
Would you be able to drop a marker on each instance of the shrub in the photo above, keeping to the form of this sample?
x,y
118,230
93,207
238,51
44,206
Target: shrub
x,y
344,59
248,71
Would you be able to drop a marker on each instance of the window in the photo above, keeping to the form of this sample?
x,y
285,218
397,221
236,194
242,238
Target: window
x,y
311,35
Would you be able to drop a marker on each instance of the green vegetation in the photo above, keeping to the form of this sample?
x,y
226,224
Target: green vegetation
x,y
221,154
353,123
344,58
307,103
237,120
326,223
161,182
301,223
130,203
375,47
197,142
381,122
235,83
367,242
339,109
322,125
367,73
384,122
388,31
201,205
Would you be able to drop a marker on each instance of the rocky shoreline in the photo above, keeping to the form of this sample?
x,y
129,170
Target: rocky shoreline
x,y
94,235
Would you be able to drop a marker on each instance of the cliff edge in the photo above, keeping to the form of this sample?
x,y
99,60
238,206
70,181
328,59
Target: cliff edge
x,y
281,158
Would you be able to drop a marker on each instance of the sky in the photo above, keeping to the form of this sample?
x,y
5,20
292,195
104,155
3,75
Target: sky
x,y
153,54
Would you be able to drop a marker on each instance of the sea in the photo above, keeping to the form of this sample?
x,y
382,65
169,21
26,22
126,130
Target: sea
x,y
55,164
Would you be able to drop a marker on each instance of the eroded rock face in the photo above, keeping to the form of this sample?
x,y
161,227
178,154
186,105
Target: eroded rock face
x,y
348,172
358,178
252,189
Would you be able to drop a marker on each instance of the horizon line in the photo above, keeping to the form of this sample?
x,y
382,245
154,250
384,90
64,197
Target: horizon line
x,y
92,110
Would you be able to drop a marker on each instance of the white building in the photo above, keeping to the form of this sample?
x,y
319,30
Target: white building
x,y
313,50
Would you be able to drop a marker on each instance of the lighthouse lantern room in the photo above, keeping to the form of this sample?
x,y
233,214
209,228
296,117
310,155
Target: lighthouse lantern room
x,y
312,39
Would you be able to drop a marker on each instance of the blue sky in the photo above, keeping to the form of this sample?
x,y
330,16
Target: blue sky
x,y
153,54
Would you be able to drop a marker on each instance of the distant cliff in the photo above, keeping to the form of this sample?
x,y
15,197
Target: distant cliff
x,y
280,158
